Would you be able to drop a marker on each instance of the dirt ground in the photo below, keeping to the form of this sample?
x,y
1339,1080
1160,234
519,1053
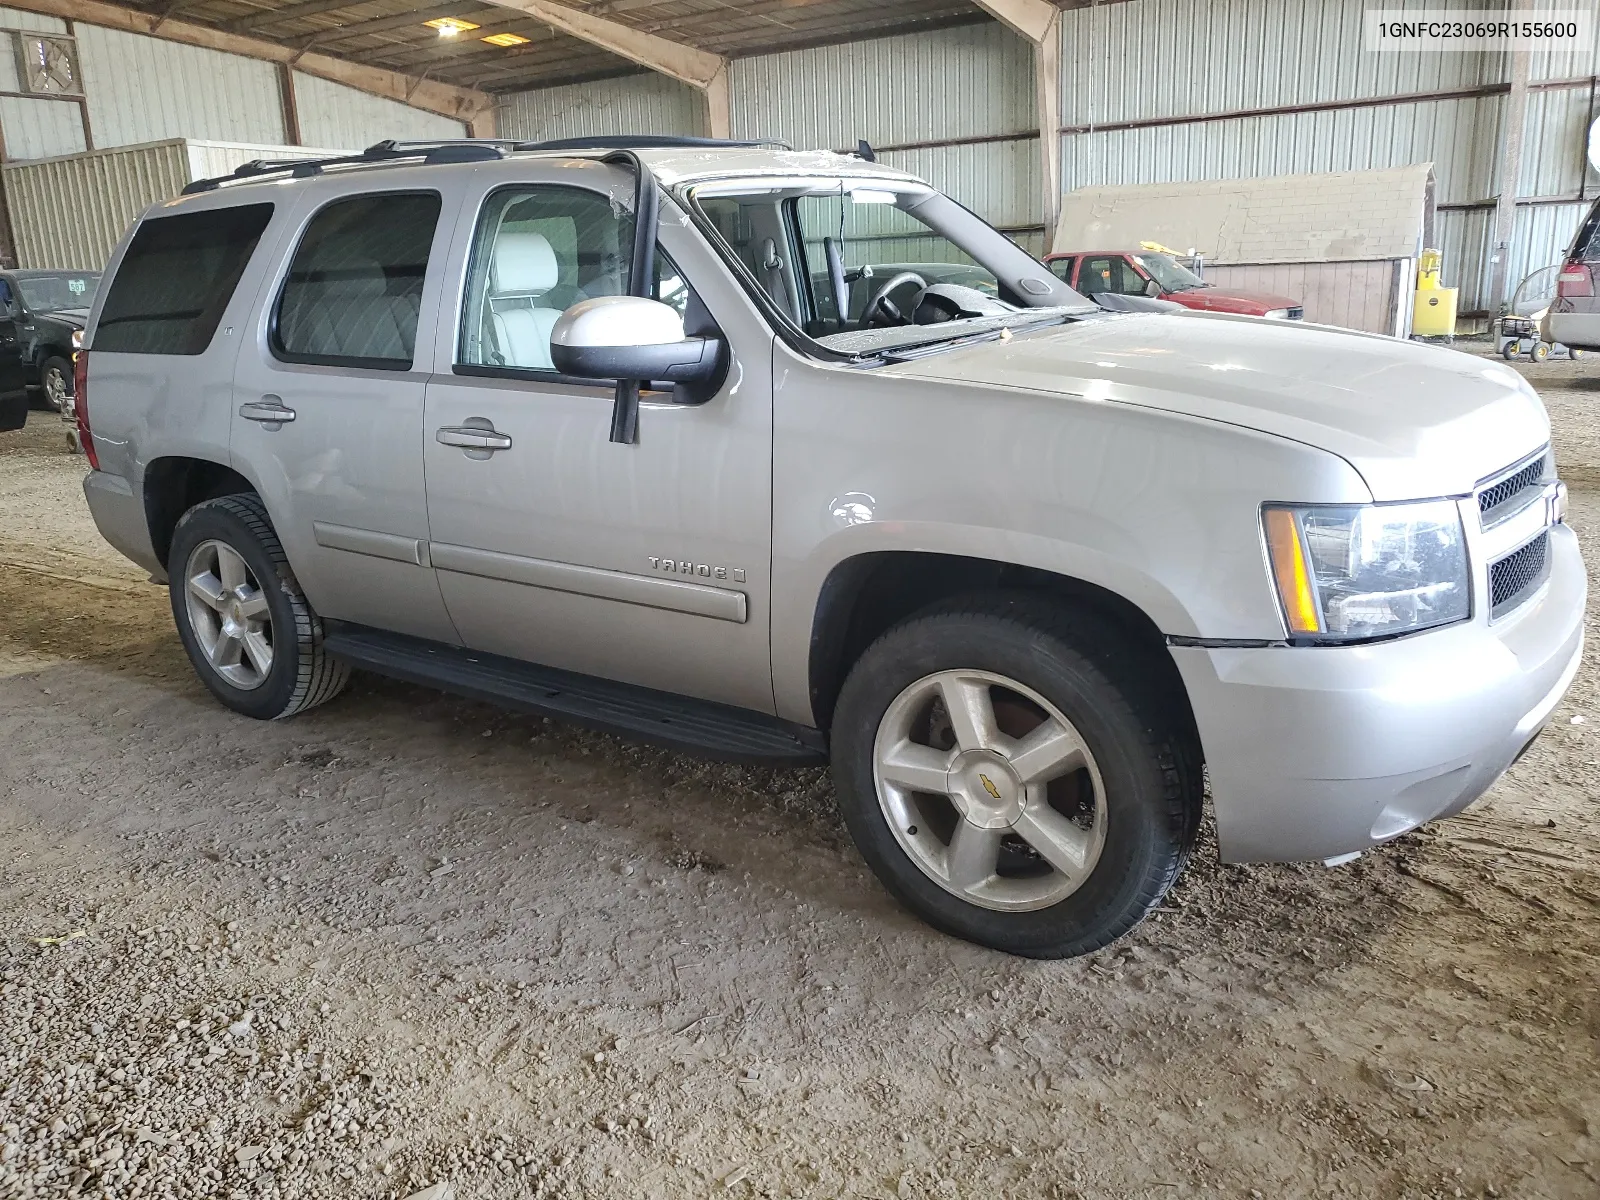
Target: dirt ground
x,y
407,940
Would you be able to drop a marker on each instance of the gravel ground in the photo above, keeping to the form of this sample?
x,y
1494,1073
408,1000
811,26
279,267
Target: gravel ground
x,y
408,941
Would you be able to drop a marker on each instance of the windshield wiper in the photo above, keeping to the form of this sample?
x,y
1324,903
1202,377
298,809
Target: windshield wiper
x,y
923,349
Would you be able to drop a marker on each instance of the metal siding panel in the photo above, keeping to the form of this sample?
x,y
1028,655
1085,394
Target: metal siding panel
x,y
1164,58
143,89
1464,238
206,160
1457,136
1555,140
1541,235
12,18
631,104
332,114
968,81
69,212
40,128
998,180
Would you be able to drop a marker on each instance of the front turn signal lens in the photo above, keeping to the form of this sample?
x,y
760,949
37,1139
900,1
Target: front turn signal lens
x,y
1291,573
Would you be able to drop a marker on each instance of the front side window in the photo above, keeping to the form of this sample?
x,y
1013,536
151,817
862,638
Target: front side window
x,y
176,279
1061,268
1109,273
537,252
354,290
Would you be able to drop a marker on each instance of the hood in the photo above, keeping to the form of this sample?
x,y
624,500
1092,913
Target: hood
x,y
1265,301
67,316
1414,420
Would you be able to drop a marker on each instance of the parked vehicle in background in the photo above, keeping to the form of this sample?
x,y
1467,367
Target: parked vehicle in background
x,y
1573,317
42,315
1150,273
585,430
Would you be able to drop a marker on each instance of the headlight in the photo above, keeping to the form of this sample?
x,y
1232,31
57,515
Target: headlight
x,y
1347,574
77,339
1282,314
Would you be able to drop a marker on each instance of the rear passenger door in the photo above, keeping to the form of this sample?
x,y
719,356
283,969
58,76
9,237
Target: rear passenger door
x,y
328,402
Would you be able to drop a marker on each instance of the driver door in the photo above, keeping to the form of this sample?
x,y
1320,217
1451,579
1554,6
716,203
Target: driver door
x,y
13,374
646,563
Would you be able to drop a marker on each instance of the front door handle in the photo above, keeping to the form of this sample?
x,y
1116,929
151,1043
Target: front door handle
x,y
271,412
473,437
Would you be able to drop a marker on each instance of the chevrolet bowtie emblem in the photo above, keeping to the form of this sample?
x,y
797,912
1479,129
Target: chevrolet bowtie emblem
x,y
989,785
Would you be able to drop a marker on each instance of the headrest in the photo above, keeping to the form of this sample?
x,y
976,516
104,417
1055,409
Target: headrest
x,y
524,265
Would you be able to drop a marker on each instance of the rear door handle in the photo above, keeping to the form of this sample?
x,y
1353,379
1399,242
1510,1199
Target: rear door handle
x,y
270,412
472,437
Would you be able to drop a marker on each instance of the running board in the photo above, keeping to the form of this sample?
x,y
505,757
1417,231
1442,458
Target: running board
x,y
680,722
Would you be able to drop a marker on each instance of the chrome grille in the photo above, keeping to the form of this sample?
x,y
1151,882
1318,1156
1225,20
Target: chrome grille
x,y
1296,313
1500,498
1516,576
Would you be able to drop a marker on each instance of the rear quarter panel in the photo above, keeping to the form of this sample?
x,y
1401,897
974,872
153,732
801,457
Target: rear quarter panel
x,y
148,406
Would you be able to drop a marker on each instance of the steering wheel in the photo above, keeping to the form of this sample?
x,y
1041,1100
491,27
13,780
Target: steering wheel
x,y
880,304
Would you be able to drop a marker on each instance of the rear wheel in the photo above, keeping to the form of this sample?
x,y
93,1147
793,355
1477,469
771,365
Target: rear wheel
x,y
252,637
1013,779
1540,351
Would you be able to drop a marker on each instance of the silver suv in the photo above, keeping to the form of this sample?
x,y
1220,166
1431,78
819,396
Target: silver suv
x,y
785,456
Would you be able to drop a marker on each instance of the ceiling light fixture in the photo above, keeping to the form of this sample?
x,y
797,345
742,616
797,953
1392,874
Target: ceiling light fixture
x,y
449,27
505,39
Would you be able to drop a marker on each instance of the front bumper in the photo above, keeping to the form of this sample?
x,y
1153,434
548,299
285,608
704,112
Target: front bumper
x,y
1315,752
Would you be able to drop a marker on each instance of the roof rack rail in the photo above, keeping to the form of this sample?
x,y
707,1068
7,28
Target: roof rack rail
x,y
650,141
443,151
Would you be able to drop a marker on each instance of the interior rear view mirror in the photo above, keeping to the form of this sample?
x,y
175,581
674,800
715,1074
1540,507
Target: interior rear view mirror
x,y
630,337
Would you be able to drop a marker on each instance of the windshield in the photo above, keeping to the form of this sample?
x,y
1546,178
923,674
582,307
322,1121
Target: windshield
x,y
1172,275
862,266
50,293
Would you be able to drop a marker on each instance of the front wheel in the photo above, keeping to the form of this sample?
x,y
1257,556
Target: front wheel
x,y
55,378
254,640
1010,781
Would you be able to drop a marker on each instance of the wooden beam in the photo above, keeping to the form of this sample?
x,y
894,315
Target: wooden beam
x,y
707,73
1040,23
291,105
683,63
277,16
459,103
1032,19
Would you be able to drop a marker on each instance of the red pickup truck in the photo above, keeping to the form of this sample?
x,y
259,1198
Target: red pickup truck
x,y
1147,273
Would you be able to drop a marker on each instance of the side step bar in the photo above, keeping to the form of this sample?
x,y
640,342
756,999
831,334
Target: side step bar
x,y
717,730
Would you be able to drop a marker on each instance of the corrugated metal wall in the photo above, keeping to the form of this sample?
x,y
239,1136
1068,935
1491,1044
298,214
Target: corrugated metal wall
x,y
33,128
971,81
946,86
332,114
629,104
142,89
1165,60
69,212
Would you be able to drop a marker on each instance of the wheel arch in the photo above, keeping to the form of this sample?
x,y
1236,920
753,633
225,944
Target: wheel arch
x,y
173,485
866,594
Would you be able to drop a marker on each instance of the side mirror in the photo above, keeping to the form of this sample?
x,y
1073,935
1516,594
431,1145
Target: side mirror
x,y
631,338
1152,289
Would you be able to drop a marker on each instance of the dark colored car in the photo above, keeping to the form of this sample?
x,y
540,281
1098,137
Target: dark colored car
x,y
1147,273
42,314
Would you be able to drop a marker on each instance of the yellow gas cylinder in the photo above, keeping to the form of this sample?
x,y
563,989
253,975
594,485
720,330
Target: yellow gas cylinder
x,y
1434,312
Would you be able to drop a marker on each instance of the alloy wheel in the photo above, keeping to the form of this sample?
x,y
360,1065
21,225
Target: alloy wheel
x,y
229,615
55,389
990,790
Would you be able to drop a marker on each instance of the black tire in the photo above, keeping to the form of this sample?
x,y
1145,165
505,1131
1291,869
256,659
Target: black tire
x,y
1141,739
303,675
57,364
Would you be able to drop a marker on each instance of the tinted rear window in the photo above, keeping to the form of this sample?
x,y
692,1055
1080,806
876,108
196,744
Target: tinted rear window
x,y
354,290
177,278
1586,246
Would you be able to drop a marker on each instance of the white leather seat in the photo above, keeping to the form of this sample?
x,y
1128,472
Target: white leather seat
x,y
523,270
